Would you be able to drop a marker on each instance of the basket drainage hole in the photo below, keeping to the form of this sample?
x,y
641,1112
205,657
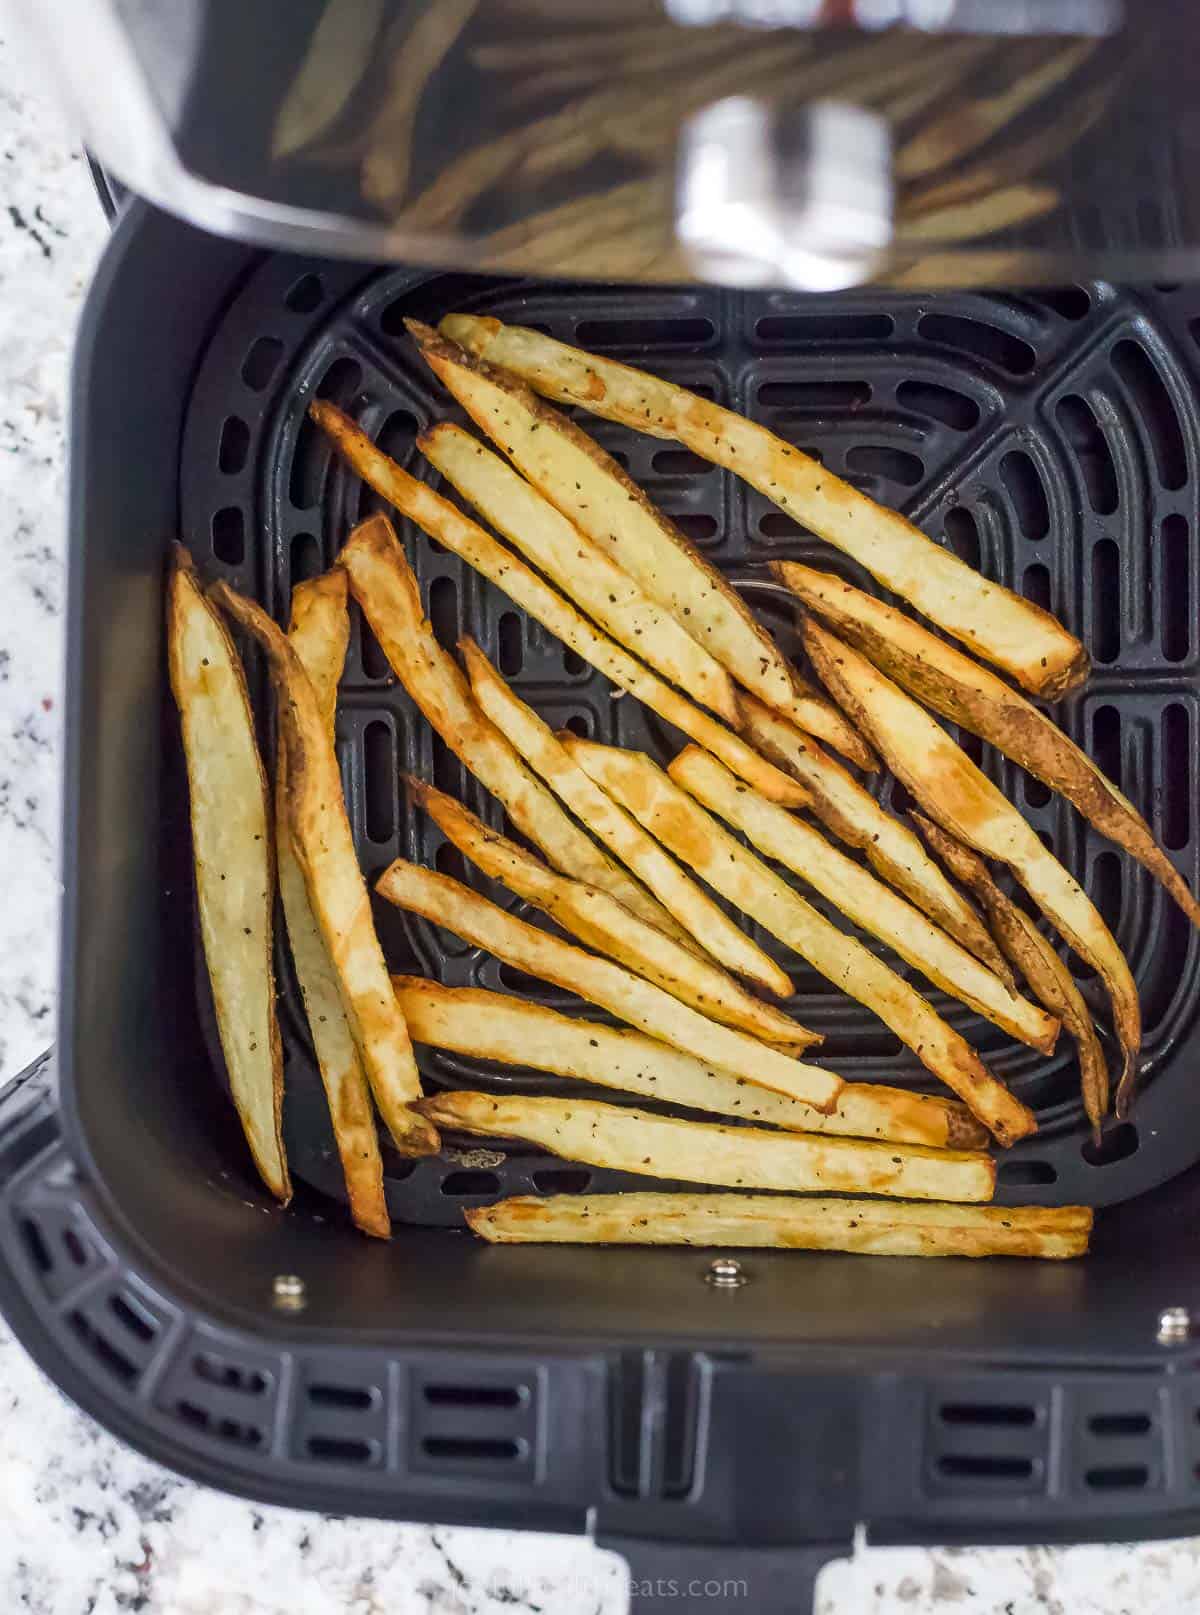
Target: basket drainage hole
x,y
235,445
229,536
35,1244
463,1184
1116,1144
561,1180
306,559
1026,1172
962,534
259,364
229,1376
1118,1477
579,724
467,1448
128,1313
475,1396
305,296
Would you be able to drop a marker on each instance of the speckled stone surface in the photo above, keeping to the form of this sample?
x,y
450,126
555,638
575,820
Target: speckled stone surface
x,y
86,1526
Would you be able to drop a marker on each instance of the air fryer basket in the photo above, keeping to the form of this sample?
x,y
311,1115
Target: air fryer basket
x,y
1048,438
739,1432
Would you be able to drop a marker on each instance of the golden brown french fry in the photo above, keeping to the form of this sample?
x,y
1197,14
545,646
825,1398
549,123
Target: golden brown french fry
x,y
708,1152
874,907
441,520
584,572
733,1221
855,817
385,588
959,797
319,634
587,485
997,624
695,837
943,678
337,892
623,835
818,717
231,846
600,922
639,1003
496,1026
1047,975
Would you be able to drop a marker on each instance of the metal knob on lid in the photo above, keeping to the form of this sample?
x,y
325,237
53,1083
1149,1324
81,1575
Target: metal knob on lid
x,y
768,195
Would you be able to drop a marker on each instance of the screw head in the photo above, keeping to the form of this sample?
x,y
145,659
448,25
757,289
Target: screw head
x,y
289,1292
1174,1326
725,1273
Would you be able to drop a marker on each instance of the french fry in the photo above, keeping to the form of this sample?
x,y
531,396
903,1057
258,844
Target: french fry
x,y
583,571
708,924
589,487
959,797
656,1146
1016,635
1047,975
319,634
872,906
385,588
855,817
231,847
441,520
696,838
639,1003
337,892
943,678
514,1031
820,718
736,1221
600,922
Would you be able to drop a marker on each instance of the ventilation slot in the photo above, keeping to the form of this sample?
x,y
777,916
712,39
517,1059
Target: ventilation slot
x,y
306,560
1106,601
698,525
1020,477
573,663
1035,793
468,1185
306,296
374,663
893,465
1035,586
941,404
579,723
824,328
470,1448
1116,1144
1106,888
229,1376
379,778
1176,587
310,461
1106,742
510,649
345,1398
340,1449
488,1418
986,1467
225,1429
654,1417
1069,302
1082,432
475,1396
103,1349
1026,1174
341,382
259,364
774,524
679,463
1176,772
962,535
1120,1424
562,1180
450,861
985,1415
1118,1477
235,446
1153,404
229,536
132,1318
651,333
35,1245
814,396
986,342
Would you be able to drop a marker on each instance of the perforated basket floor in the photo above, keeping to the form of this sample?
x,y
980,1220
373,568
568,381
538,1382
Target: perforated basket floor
x,y
1050,439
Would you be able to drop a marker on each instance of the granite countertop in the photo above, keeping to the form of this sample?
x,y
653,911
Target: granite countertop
x,y
86,1526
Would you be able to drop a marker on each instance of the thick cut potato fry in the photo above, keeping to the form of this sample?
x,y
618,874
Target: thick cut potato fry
x,y
708,1152
695,837
587,485
231,846
441,520
972,696
584,572
600,922
1048,977
385,588
874,907
1016,635
820,718
737,1221
337,892
319,634
959,797
637,1002
855,817
495,1026
623,835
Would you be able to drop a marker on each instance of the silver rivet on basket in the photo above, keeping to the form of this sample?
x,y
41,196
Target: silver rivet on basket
x,y
1174,1325
725,1274
289,1292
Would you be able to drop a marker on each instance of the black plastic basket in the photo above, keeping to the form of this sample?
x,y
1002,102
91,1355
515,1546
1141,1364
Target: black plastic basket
x,y
709,1433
